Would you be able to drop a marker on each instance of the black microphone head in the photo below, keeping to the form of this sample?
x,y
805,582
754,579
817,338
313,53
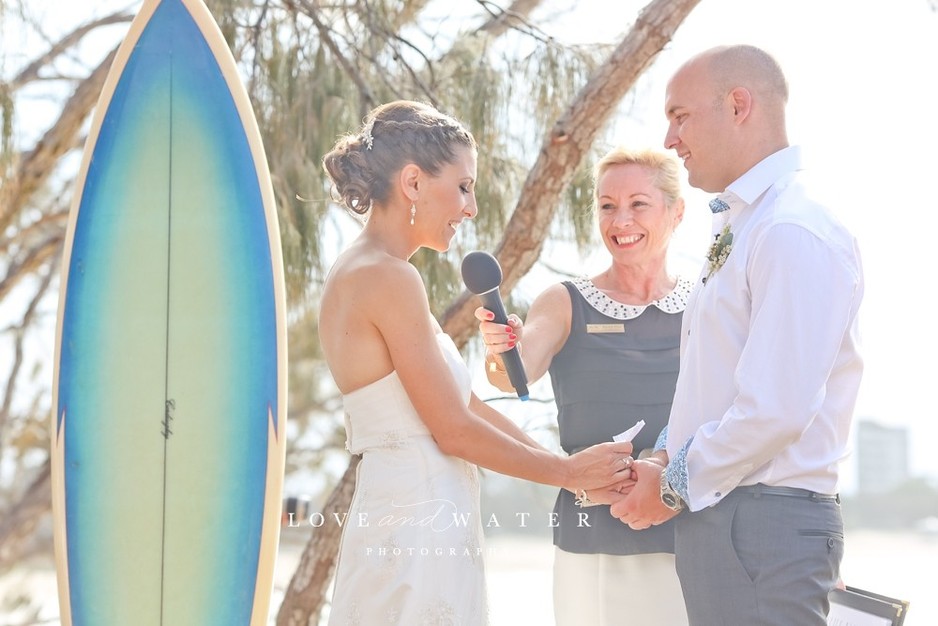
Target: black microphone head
x,y
481,272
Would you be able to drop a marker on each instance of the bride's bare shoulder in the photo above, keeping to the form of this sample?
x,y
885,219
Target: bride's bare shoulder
x,y
373,275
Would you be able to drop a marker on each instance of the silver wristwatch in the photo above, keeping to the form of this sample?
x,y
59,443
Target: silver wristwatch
x,y
669,497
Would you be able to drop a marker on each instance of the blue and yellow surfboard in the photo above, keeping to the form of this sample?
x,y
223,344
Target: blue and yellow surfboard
x,y
170,373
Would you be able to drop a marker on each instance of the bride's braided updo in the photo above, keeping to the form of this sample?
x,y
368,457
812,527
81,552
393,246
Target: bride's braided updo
x,y
394,134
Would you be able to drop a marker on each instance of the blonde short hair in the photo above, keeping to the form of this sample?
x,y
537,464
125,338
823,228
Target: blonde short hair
x,y
666,170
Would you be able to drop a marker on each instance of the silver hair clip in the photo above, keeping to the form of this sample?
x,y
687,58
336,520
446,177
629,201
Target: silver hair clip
x,y
366,134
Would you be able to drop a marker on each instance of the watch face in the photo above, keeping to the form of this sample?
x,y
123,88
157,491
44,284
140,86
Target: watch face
x,y
668,496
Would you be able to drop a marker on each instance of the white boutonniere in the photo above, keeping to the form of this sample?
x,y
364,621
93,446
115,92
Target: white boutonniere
x,y
719,251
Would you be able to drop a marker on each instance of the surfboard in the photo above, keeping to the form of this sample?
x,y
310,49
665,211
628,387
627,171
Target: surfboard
x,y
170,362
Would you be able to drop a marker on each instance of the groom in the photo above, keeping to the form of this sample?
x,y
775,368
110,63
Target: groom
x,y
769,363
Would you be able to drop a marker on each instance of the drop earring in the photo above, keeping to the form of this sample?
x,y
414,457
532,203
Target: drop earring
x,y
413,212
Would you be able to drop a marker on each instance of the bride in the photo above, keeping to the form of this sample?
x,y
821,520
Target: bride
x,y
411,551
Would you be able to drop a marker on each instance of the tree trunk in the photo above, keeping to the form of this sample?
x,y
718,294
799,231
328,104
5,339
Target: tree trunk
x,y
561,154
306,596
36,166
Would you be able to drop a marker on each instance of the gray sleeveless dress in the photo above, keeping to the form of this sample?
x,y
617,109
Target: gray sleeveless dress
x,y
618,366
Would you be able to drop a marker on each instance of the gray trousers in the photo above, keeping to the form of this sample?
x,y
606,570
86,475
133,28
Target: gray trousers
x,y
755,559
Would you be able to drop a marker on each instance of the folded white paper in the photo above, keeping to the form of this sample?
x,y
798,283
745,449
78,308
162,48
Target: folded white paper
x,y
629,435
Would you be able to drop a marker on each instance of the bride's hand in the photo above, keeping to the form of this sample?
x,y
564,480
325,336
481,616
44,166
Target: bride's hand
x,y
611,494
601,465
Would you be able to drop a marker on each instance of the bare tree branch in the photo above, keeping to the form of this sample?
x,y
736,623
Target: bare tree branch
x,y
256,32
564,149
34,259
36,166
514,16
20,332
368,99
21,519
31,71
54,221
414,75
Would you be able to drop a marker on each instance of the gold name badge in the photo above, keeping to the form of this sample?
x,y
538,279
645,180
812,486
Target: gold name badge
x,y
605,328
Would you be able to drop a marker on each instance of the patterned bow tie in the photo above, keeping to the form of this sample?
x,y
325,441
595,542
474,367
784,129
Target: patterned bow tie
x,y
718,206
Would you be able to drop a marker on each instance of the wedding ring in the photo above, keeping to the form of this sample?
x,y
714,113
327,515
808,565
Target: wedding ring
x,y
582,500
627,461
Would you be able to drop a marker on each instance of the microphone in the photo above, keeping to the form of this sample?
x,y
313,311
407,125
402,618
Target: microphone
x,y
482,275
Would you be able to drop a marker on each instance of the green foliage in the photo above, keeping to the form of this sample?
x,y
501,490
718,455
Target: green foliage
x,y
576,210
313,76
6,116
6,129
224,12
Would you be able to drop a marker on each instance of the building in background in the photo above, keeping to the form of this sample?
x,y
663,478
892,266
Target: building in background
x,y
882,457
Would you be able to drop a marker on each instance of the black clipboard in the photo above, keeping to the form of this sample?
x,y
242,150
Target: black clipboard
x,y
858,607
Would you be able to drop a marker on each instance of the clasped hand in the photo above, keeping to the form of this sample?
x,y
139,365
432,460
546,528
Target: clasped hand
x,y
604,471
642,507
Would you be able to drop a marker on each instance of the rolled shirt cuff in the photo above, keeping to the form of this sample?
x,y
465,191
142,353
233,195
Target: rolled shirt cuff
x,y
676,471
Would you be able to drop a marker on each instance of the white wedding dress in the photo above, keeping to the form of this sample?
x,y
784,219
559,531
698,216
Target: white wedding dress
x,y
411,550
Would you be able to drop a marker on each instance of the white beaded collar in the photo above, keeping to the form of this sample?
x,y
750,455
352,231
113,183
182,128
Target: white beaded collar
x,y
674,302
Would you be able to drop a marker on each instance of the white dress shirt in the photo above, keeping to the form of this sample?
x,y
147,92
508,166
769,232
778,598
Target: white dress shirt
x,y
769,362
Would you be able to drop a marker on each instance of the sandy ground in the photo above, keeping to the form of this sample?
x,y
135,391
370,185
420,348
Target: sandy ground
x,y
519,576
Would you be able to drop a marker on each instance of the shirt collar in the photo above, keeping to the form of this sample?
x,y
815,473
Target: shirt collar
x,y
673,302
748,187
